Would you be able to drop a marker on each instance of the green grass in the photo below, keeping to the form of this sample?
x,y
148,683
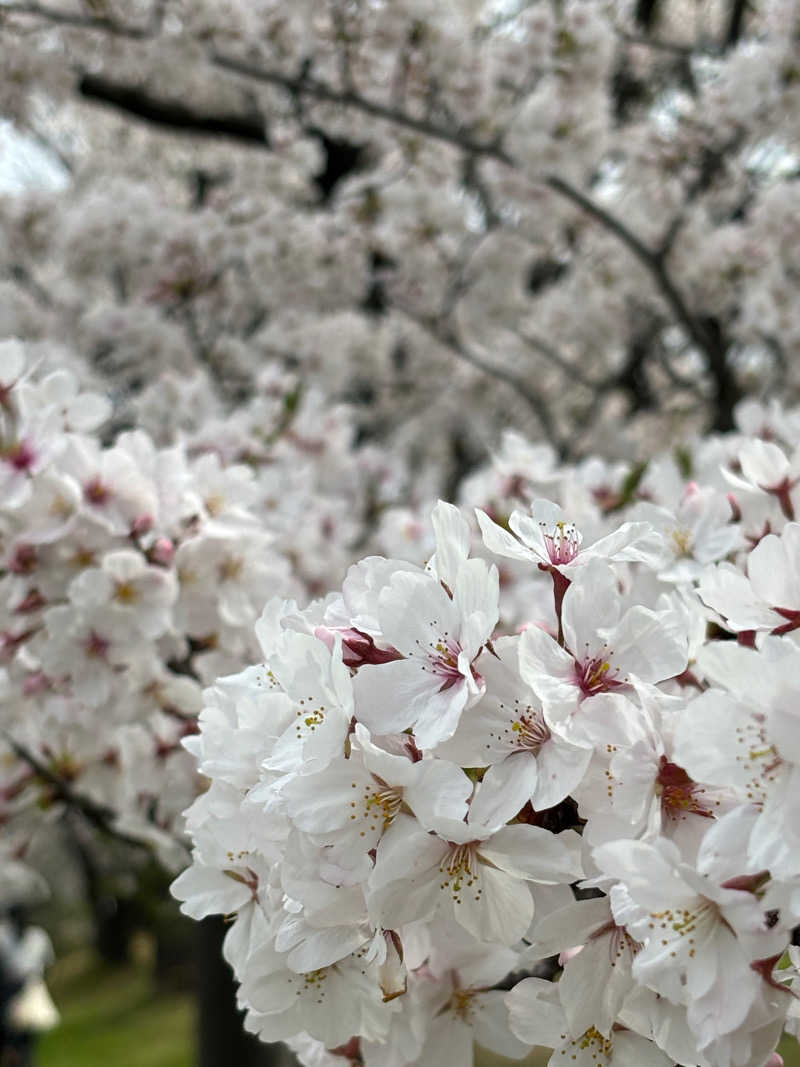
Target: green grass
x,y
790,1050
115,1016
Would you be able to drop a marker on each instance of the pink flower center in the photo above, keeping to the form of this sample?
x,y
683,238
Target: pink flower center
x,y
24,560
21,456
531,731
679,794
32,601
9,643
95,646
95,492
562,542
441,659
597,675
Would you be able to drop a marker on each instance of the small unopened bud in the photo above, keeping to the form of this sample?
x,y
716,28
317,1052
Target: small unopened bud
x,y
162,551
142,524
357,647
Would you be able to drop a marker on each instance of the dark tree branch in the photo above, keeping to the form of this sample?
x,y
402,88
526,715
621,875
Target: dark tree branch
x,y
727,392
23,277
473,180
650,260
712,161
342,158
49,146
674,47
776,350
646,13
633,378
446,336
250,129
571,370
710,343
735,25
705,333
544,272
100,817
83,22
202,182
303,85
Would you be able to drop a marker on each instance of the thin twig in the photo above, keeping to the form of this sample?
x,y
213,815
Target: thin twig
x,y
99,816
50,146
23,277
673,47
305,85
649,259
446,336
83,22
473,180
712,161
551,353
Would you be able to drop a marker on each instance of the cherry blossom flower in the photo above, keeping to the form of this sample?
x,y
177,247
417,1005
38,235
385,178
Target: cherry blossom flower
x,y
604,649
768,596
506,731
473,874
698,934
536,1017
439,633
548,538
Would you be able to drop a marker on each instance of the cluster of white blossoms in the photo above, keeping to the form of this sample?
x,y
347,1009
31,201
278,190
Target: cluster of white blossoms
x,y
573,732
408,200
133,572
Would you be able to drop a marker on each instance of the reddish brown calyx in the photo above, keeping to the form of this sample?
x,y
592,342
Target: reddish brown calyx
x,y
680,795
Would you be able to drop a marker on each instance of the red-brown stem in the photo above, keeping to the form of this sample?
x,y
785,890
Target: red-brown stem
x,y
560,586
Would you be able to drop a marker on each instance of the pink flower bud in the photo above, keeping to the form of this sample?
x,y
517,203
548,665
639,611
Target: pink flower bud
x,y
162,551
141,525
357,647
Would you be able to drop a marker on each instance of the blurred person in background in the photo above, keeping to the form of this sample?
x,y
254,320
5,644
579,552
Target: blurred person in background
x,y
26,1007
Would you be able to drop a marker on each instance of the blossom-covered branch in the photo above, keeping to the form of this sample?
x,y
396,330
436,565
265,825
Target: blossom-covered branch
x,y
171,114
388,834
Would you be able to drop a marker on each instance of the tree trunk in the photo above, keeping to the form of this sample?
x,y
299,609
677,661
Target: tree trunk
x,y
222,1040
112,916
